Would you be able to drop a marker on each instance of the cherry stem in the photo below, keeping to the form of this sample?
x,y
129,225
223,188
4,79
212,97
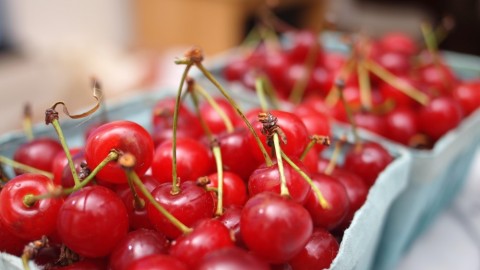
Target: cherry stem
x,y
27,121
336,153
278,153
365,86
138,203
429,38
25,168
341,85
393,80
30,199
175,185
334,95
227,122
218,161
315,139
211,78
196,106
321,199
260,89
271,93
300,85
32,249
63,142
136,180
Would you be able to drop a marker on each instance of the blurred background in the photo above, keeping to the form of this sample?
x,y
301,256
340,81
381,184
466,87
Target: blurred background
x,y
50,49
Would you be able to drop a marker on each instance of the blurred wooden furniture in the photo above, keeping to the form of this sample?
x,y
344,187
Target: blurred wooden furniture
x,y
215,25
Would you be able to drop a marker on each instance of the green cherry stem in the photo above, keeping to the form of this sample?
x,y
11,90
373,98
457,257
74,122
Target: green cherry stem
x,y
278,153
25,168
365,85
218,161
336,153
27,121
341,85
126,161
321,199
260,89
214,104
196,106
315,139
175,185
211,78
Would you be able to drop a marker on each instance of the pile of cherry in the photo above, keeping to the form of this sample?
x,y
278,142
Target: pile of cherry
x,y
120,203
394,86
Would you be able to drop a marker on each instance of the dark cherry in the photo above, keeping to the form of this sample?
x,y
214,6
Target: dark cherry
x,y
367,161
29,222
158,262
319,252
193,160
335,194
137,244
231,258
207,236
275,228
124,137
90,264
192,204
92,221
38,153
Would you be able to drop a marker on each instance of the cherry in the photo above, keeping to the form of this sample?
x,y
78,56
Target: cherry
x,y
336,195
38,153
275,228
213,120
333,61
234,189
137,244
437,76
319,252
357,192
439,116
315,122
158,262
292,126
303,42
92,221
189,206
367,161
66,179
231,258
27,220
311,160
371,122
467,94
237,155
231,219
394,62
235,69
398,42
137,215
193,160
10,243
59,162
267,178
391,93
207,236
275,64
124,137
401,125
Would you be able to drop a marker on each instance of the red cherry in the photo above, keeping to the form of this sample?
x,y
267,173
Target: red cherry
x,y
391,93
439,116
467,94
398,42
234,189
207,236
396,63
367,161
235,69
193,160
158,262
231,219
92,221
137,244
66,179
315,122
275,65
318,253
336,195
274,228
213,120
59,162
38,153
372,122
311,160
192,204
268,179
401,125
29,222
231,258
437,76
124,137
10,243
303,42
237,155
